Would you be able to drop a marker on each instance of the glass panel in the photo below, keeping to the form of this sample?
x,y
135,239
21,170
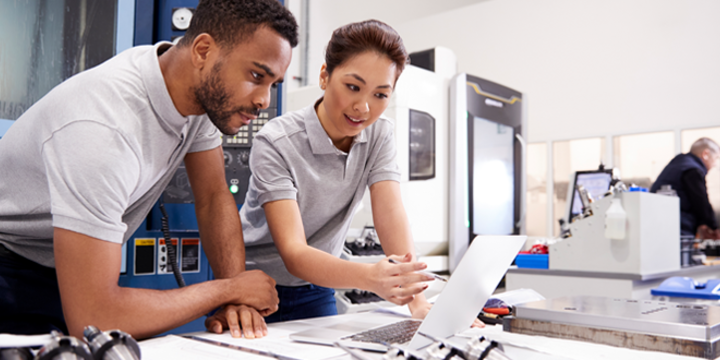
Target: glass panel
x,y
422,145
536,216
568,157
713,177
493,177
43,43
642,157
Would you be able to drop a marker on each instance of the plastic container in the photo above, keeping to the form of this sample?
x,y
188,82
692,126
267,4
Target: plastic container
x,y
615,221
532,261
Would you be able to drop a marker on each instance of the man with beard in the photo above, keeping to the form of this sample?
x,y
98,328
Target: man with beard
x,y
83,167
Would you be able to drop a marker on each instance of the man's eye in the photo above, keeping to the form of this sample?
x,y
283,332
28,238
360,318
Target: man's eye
x,y
255,75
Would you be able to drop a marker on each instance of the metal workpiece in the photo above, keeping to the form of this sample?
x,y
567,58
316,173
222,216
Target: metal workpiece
x,y
484,348
16,354
678,328
479,348
112,344
64,348
439,351
586,200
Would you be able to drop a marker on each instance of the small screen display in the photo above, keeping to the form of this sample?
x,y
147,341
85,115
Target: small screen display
x,y
596,183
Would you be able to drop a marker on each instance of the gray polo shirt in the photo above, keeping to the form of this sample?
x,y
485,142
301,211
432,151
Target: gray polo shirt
x,y
293,158
94,155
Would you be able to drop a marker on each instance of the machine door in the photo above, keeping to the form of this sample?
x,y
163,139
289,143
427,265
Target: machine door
x,y
495,169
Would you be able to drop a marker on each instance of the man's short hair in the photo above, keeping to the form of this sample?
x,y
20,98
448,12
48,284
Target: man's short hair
x,y
704,143
231,22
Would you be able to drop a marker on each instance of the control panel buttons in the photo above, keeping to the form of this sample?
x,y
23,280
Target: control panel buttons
x,y
244,157
181,18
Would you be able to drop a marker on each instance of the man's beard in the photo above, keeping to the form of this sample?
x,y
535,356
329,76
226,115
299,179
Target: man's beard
x,y
212,96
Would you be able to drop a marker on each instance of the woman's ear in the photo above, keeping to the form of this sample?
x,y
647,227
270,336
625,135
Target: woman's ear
x,y
324,76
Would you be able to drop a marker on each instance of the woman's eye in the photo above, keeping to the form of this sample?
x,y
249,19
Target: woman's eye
x,y
381,96
353,87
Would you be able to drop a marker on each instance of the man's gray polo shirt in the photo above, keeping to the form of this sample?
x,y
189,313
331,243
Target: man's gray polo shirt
x,y
293,158
94,155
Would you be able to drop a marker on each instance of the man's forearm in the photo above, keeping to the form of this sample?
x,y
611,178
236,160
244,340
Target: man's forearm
x,y
221,232
218,219
143,312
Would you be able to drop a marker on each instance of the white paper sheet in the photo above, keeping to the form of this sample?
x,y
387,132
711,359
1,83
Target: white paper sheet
x,y
10,341
180,348
519,296
279,342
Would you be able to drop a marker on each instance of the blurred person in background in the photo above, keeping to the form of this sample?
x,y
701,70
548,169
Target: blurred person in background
x,y
686,175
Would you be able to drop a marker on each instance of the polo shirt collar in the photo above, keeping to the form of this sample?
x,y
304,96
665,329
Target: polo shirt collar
x,y
169,117
320,142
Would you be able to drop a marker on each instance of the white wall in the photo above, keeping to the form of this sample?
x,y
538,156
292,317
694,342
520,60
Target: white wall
x,y
589,68
327,15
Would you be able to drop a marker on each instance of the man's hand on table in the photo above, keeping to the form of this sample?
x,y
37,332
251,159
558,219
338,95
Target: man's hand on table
x,y
237,318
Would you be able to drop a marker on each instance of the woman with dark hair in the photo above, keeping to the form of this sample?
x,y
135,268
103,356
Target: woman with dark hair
x,y
310,169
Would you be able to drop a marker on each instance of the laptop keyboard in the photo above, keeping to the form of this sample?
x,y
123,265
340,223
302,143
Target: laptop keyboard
x,y
395,333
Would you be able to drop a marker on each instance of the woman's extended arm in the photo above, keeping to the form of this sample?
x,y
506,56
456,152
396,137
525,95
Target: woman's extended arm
x,y
395,283
393,229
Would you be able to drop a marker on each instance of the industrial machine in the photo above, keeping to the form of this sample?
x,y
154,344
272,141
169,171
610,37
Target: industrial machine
x,y
488,128
419,106
646,240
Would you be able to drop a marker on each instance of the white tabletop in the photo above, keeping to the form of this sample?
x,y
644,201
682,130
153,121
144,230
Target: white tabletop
x,y
517,346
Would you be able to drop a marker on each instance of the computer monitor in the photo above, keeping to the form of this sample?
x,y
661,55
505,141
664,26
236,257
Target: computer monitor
x,y
596,182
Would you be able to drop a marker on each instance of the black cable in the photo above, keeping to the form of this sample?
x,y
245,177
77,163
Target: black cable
x,y
171,250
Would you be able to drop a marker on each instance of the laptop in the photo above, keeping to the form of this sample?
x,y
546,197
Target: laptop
x,y
470,286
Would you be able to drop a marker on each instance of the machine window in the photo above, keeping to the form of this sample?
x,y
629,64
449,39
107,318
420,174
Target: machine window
x,y
641,157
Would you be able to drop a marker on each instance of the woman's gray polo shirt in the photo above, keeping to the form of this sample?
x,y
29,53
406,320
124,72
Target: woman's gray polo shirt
x,y
293,158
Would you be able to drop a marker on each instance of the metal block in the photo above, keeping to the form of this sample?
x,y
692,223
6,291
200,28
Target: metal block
x,y
684,329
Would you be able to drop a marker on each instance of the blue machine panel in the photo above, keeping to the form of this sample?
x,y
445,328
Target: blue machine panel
x,y
143,265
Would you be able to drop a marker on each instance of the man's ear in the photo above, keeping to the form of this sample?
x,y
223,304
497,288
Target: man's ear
x,y
706,154
202,49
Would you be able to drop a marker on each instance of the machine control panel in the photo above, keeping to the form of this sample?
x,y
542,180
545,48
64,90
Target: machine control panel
x,y
236,153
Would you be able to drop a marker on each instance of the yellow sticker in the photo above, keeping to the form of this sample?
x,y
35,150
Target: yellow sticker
x,y
145,242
